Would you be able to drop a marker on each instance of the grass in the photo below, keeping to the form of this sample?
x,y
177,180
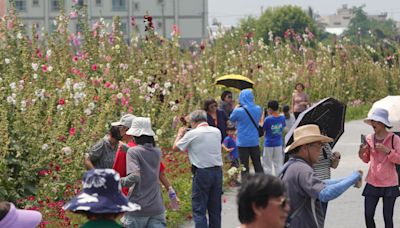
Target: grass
x,y
357,112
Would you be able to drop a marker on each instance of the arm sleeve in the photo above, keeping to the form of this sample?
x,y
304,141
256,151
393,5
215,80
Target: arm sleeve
x,y
96,151
332,181
394,155
234,115
130,180
184,142
333,191
132,162
311,185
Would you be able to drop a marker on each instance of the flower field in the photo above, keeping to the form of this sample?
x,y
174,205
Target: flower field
x,y
60,91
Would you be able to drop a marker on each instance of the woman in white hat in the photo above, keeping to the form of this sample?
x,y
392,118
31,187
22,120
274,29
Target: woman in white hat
x,y
382,150
142,168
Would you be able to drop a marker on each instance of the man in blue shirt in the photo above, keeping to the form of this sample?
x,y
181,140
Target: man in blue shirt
x,y
273,127
247,133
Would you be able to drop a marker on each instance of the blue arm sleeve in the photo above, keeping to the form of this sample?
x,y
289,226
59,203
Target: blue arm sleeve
x,y
332,181
333,191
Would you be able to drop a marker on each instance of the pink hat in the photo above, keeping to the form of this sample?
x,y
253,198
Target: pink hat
x,y
21,218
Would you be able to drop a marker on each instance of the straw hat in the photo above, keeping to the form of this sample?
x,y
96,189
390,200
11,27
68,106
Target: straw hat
x,y
307,134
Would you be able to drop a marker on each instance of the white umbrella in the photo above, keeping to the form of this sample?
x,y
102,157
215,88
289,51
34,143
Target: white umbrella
x,y
392,105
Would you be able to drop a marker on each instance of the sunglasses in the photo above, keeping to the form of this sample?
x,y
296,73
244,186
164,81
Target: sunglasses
x,y
284,202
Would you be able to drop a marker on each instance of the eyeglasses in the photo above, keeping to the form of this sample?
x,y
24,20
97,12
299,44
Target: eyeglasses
x,y
283,202
320,145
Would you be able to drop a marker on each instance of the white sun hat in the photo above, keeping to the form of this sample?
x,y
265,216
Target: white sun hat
x,y
140,126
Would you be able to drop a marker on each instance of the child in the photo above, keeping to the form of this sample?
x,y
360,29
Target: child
x,y
101,199
229,144
289,118
273,127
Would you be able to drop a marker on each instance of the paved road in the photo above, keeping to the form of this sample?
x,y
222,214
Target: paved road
x,y
345,212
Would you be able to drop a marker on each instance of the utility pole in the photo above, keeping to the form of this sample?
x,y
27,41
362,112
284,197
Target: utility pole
x,y
163,17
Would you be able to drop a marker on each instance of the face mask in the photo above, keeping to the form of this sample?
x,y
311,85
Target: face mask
x,y
115,133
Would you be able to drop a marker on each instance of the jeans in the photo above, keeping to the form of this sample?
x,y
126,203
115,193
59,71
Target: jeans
x,y
370,203
157,221
206,196
254,154
273,159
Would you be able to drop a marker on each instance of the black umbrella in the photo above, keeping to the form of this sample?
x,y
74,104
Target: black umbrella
x,y
329,114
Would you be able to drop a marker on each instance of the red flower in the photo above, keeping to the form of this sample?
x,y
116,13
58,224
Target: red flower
x,y
31,198
57,168
94,67
72,131
107,84
42,172
61,101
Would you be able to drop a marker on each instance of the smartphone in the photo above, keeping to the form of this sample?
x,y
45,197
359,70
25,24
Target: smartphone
x,y
363,139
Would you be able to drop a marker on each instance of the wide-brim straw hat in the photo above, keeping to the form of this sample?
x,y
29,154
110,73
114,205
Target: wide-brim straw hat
x,y
307,134
379,115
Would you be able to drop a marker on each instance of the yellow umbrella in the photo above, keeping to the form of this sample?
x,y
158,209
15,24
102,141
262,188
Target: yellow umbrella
x,y
235,81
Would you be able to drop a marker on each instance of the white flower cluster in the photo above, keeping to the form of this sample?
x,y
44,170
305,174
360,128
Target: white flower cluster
x,y
40,93
78,95
12,99
89,110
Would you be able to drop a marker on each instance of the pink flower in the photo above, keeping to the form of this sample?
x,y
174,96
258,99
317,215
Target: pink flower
x,y
75,59
94,67
44,68
72,131
74,2
73,14
107,84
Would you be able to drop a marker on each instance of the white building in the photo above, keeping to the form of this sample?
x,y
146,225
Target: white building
x,y
191,16
339,22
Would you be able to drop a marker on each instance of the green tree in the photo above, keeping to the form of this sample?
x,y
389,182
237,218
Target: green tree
x,y
278,20
369,30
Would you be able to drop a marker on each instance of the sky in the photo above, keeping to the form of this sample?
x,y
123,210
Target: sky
x,y
229,12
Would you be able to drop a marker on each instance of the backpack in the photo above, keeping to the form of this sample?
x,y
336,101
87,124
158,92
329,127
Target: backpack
x,y
397,165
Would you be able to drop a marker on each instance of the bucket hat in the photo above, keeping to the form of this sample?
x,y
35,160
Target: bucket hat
x,y
140,126
126,121
379,115
101,194
21,218
307,134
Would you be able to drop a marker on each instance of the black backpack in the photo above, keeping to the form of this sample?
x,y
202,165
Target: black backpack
x,y
397,165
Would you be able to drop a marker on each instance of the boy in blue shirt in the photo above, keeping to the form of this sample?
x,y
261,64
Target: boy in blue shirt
x,y
273,127
229,144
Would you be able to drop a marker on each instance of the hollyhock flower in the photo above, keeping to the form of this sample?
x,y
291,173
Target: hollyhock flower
x,y
66,150
50,68
73,14
61,101
44,68
94,67
133,21
7,61
45,146
35,66
75,59
107,84
74,2
10,24
57,168
72,131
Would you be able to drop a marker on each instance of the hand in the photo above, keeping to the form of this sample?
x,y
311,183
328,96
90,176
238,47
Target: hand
x,y
336,155
230,149
358,184
363,149
382,148
181,131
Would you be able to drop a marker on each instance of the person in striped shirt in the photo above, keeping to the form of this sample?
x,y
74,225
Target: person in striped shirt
x,y
322,169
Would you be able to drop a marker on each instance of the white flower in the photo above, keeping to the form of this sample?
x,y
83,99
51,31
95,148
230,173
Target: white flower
x,y
35,76
49,68
10,100
140,73
167,85
45,146
87,112
159,132
13,85
67,150
48,53
232,171
120,95
59,107
7,61
91,105
174,108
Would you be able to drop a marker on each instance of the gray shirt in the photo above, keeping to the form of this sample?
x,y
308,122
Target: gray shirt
x,y
102,154
145,161
204,146
303,189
